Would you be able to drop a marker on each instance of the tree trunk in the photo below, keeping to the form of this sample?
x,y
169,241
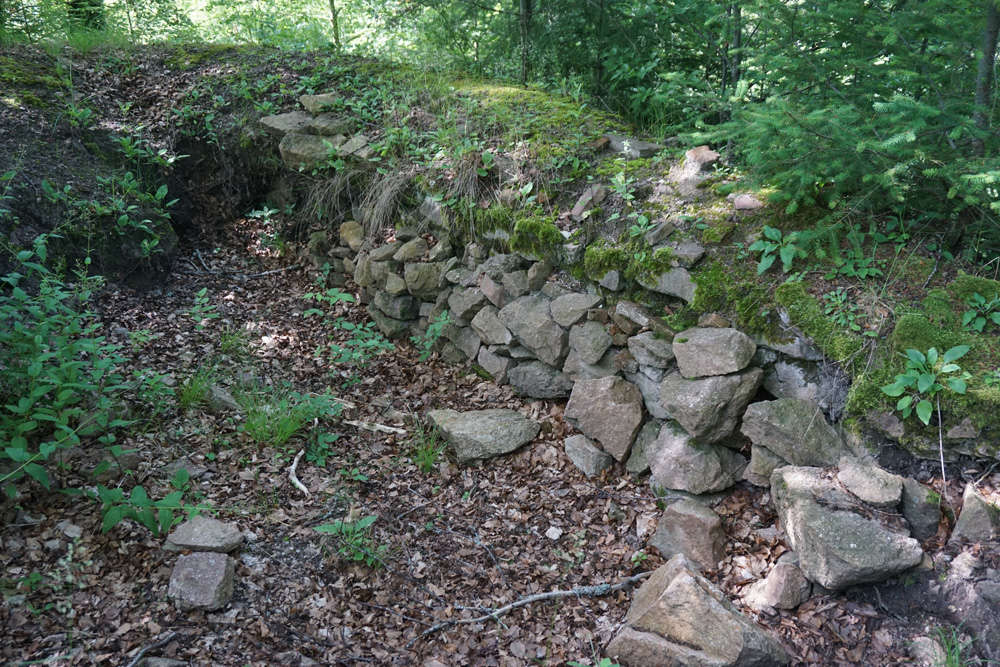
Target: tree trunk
x,y
335,22
524,14
985,76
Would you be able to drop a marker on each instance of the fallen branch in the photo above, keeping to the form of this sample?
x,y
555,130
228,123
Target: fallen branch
x,y
380,428
578,592
151,647
291,474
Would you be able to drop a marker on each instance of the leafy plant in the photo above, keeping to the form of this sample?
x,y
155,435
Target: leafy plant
x,y
643,225
274,419
774,245
843,311
364,343
922,381
427,447
159,516
980,311
435,329
992,379
202,311
322,449
355,540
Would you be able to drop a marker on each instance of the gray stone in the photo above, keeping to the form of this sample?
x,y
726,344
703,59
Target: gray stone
x,y
709,408
330,125
356,145
590,340
747,202
202,580
352,235
608,410
285,123
516,283
411,251
381,272
201,533
825,384
394,285
638,460
977,522
795,430
422,280
490,329
612,280
460,276
495,365
495,292
576,368
465,304
590,198
569,309
837,546
649,350
497,266
528,318
636,148
397,307
785,587
452,355
704,352
538,380
763,462
384,253
306,151
538,274
363,271
927,652
220,400
317,104
675,282
690,528
633,312
660,232
389,326
590,459
679,618
650,390
483,434
441,251
684,464
464,338
921,508
555,290
687,254
869,483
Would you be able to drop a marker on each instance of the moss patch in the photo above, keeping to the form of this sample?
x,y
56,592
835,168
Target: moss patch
x,y
20,73
806,312
537,237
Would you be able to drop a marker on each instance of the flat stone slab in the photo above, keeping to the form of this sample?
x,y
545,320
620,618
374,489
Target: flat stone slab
x,y
316,104
484,434
636,147
202,533
285,123
306,151
202,580
329,125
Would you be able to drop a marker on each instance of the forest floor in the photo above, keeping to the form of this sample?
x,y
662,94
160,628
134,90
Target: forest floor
x,y
449,543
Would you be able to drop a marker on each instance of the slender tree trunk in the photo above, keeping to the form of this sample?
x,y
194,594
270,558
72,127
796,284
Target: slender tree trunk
x,y
737,43
524,14
985,76
335,22
87,14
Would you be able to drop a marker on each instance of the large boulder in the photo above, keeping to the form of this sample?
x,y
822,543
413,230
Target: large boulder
x,y
679,618
795,430
839,545
702,352
709,408
484,434
608,410
530,320
681,463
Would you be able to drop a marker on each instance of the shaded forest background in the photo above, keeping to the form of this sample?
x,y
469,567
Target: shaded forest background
x,y
842,108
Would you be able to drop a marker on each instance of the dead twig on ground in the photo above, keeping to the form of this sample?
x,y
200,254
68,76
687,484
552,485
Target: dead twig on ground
x,y
291,474
579,592
169,637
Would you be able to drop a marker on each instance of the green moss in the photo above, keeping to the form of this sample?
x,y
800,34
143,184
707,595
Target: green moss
x,y
20,72
189,57
736,292
33,100
806,312
536,236
916,331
